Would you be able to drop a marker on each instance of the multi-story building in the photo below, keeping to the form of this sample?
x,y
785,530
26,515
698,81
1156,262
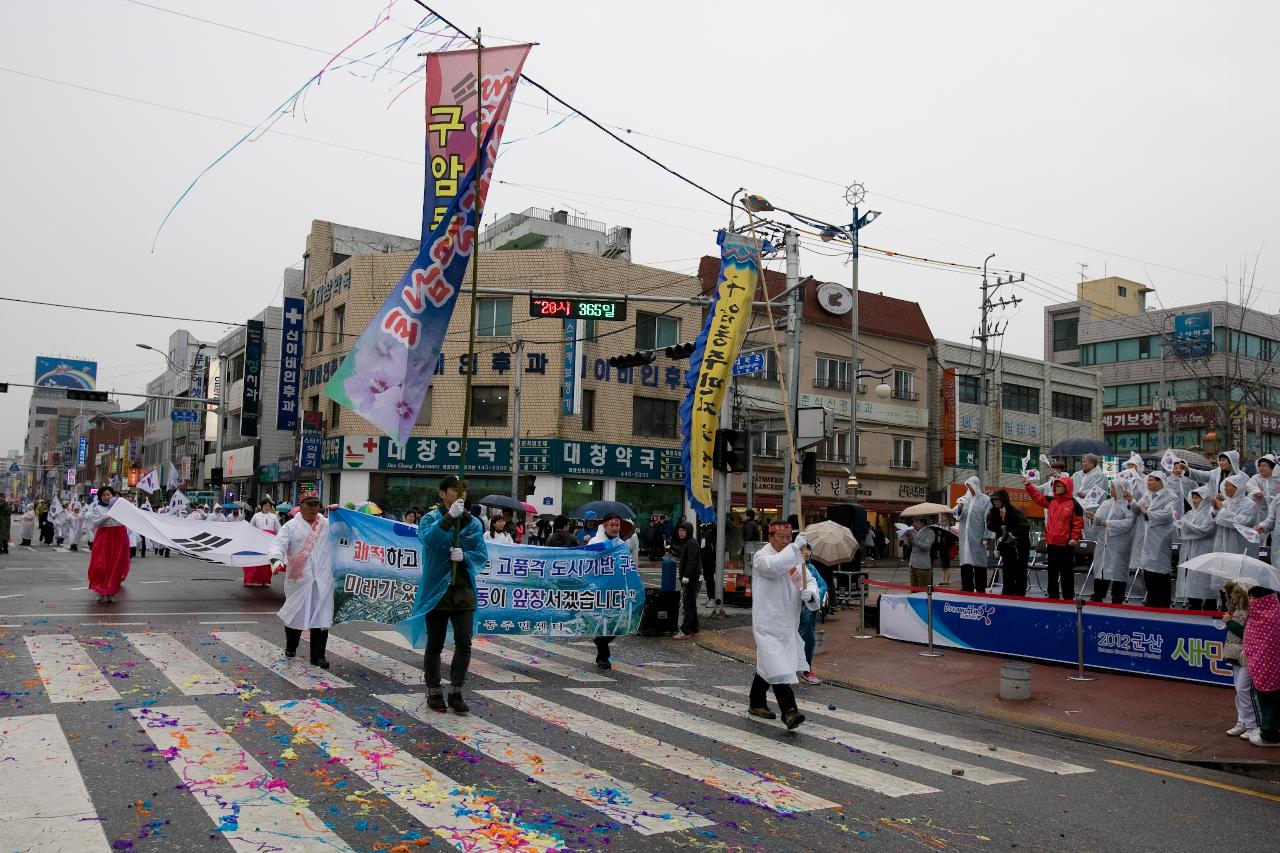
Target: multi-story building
x,y
50,427
586,432
891,448
1031,406
537,228
176,442
102,445
1208,373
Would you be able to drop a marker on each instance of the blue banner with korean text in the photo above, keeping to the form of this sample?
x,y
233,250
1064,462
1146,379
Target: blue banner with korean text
x,y
590,591
290,363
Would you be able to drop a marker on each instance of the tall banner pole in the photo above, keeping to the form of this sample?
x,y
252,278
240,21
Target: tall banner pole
x,y
475,273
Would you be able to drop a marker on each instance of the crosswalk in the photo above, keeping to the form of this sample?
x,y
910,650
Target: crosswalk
x,y
610,733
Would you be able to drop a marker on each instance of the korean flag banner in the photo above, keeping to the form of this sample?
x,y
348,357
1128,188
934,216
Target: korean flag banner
x,y
385,377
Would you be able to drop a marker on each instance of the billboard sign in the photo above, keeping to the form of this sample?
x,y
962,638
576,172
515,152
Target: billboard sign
x,y
1193,334
290,364
66,373
251,399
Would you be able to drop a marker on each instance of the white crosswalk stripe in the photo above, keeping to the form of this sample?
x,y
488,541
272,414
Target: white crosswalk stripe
x,y
459,815
180,665
396,670
44,805
764,792
253,810
987,750
68,673
587,657
478,668
786,754
646,813
296,671
540,662
870,746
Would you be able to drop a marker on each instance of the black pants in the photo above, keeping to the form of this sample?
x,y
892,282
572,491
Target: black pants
x,y
1013,571
319,641
973,578
1117,590
709,578
689,607
1062,562
1199,603
782,692
438,622
1159,588
602,648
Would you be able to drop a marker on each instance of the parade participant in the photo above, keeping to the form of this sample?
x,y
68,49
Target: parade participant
x,y
1262,653
28,525
590,521
264,519
59,517
1114,521
1266,480
76,519
1063,526
453,553
689,569
561,536
1156,509
1228,464
109,559
1234,507
779,583
609,532
971,512
6,524
200,513
498,531
1196,529
302,551
1181,484
412,515
1006,520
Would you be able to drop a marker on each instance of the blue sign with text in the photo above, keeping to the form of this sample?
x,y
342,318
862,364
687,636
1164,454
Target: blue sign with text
x,y
1193,335
181,415
748,363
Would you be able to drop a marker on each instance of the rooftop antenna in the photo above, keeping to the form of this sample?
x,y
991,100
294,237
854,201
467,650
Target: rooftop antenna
x,y
1083,267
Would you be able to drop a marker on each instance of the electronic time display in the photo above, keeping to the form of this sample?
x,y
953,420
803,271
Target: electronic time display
x,y
577,308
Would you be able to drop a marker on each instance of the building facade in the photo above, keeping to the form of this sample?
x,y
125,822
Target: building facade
x,y
167,441
1202,377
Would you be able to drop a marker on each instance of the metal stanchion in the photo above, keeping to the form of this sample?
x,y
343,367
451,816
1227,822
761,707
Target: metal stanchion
x,y
1080,676
930,653
862,609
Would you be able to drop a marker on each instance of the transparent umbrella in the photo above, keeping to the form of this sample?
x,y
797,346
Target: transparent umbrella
x,y
1233,566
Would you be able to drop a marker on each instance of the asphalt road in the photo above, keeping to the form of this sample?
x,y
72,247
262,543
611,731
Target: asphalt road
x,y
169,736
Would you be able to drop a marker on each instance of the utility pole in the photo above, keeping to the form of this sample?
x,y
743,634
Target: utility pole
x,y
854,196
518,347
985,332
790,244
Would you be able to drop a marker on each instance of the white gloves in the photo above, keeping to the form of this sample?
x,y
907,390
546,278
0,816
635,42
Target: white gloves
x,y
455,554
457,509
809,596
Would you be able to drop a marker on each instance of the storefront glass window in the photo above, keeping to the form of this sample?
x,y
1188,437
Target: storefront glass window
x,y
648,498
578,492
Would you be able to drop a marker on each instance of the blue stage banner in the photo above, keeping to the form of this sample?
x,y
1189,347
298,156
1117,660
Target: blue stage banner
x,y
1169,645
525,589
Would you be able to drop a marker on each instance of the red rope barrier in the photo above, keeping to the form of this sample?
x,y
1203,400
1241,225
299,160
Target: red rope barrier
x,y
1069,602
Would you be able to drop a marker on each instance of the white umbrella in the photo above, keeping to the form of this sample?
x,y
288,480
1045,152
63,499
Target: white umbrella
x,y
832,542
1233,566
924,509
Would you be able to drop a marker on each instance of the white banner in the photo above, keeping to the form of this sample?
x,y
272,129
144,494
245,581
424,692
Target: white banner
x,y
232,543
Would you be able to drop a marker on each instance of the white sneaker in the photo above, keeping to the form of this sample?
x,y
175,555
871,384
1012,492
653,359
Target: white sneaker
x,y
1255,738
1237,730
1245,735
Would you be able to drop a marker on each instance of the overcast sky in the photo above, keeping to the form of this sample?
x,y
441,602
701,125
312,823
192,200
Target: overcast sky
x,y
1139,138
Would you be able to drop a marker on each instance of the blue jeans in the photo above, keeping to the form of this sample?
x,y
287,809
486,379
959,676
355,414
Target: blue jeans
x,y
808,632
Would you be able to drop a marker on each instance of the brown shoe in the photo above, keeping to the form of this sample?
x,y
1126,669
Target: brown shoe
x,y
435,701
792,718
457,704
763,713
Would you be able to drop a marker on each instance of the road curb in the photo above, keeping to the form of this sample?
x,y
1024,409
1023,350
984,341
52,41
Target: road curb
x,y
1147,747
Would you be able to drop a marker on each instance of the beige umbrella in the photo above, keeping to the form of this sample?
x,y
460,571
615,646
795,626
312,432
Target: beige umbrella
x,y
831,541
924,509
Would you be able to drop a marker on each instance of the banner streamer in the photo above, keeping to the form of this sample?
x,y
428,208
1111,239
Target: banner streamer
x,y
711,365
385,377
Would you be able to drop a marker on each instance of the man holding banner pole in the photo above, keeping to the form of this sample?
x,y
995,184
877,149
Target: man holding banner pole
x,y
302,549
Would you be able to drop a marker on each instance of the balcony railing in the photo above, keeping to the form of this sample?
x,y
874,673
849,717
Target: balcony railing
x,y
862,461
904,464
899,394
833,384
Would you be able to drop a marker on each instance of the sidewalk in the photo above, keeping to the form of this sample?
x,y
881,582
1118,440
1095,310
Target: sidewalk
x,y
1168,719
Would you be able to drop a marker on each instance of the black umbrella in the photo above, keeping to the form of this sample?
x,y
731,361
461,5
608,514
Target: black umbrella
x,y
502,502
603,508
1079,447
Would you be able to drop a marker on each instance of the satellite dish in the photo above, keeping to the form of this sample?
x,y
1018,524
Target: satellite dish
x,y
834,298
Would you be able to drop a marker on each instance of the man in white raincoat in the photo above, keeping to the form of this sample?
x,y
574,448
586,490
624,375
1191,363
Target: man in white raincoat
x,y
1153,544
303,552
779,584
1114,520
1090,477
971,514
1228,464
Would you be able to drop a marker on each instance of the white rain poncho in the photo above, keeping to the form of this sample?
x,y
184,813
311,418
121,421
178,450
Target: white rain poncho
x,y
1156,544
971,514
1237,509
778,579
1114,518
308,578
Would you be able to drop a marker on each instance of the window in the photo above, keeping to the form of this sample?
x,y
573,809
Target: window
x,y
1066,334
313,404
1073,407
1121,290
654,417
655,332
832,373
588,410
317,335
1011,456
424,414
765,443
969,388
489,405
903,453
835,449
339,325
770,373
904,385
968,455
334,411
235,369
45,410
493,319
1020,398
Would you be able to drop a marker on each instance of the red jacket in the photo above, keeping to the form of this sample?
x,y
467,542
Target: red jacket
x,y
1062,520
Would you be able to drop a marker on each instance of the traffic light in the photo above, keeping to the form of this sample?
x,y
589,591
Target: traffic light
x,y
4,387
729,451
680,350
809,469
215,476
633,359
94,396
